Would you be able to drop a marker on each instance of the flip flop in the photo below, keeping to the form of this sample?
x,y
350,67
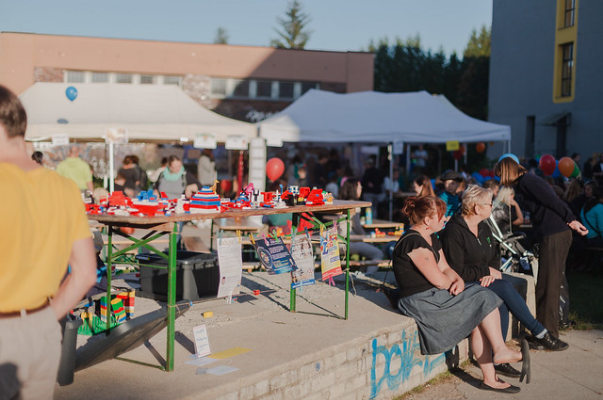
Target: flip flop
x,y
525,362
510,389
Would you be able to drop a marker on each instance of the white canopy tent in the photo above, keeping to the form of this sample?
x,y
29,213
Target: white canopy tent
x,y
144,112
374,117
147,112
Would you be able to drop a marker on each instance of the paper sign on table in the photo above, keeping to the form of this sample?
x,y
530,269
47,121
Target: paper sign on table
x,y
274,256
231,266
330,264
301,251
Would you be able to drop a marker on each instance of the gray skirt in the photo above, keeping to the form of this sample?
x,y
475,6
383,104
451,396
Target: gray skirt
x,y
443,320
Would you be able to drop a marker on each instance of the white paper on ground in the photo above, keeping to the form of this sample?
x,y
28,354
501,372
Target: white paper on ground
x,y
221,370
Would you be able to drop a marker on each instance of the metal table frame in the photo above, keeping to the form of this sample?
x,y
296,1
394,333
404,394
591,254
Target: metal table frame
x,y
162,225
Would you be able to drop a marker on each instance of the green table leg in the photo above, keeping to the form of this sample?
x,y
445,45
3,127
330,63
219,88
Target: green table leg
x,y
171,303
293,292
347,263
109,272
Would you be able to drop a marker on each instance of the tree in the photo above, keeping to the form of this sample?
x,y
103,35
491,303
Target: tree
x,y
473,87
294,33
479,45
221,36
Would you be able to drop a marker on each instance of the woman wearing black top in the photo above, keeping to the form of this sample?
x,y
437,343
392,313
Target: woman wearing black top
x,y
445,310
552,220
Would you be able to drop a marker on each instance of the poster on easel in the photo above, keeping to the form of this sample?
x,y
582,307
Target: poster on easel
x,y
301,251
231,266
274,256
330,263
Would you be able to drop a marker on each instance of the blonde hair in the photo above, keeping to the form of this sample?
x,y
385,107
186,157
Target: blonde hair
x,y
508,171
471,197
504,196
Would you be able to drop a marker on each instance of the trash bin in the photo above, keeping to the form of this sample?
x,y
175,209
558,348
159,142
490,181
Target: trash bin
x,y
197,276
67,363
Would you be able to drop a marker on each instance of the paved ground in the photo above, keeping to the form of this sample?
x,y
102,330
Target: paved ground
x,y
576,373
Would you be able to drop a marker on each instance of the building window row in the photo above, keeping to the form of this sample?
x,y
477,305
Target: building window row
x,y
570,13
116,77
567,68
258,89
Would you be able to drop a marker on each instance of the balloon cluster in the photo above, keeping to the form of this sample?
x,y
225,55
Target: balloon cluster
x,y
565,166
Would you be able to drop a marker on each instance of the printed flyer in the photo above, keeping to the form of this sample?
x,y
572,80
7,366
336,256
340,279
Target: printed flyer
x,y
274,256
231,266
329,253
301,251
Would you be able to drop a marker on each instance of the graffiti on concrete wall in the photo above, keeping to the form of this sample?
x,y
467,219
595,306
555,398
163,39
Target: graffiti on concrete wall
x,y
400,359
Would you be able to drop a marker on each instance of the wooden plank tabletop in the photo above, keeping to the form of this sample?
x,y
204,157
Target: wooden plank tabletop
x,y
381,223
145,221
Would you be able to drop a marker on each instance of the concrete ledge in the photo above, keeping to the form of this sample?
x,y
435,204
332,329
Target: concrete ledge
x,y
310,354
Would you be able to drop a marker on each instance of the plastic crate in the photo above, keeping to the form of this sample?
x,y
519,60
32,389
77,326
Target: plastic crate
x,y
197,276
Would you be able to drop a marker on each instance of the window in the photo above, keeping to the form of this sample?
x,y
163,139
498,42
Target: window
x,y
570,12
264,89
123,78
307,86
147,79
100,77
241,88
567,67
218,87
75,77
171,80
285,90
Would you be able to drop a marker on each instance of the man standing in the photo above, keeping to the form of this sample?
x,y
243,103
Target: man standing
x,y
45,229
206,168
76,169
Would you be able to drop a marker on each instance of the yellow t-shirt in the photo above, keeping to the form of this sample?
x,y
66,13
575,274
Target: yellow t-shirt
x,y
41,214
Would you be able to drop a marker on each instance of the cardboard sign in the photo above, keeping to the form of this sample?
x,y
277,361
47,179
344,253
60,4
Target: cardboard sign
x,y
236,143
452,145
201,341
60,139
205,141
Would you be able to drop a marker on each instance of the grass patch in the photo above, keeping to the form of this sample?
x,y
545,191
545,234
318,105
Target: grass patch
x,y
586,299
440,378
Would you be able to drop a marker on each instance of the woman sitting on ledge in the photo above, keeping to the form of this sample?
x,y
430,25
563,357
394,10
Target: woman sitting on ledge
x,y
445,310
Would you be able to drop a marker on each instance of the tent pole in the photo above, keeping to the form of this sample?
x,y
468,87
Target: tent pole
x,y
391,177
111,168
408,159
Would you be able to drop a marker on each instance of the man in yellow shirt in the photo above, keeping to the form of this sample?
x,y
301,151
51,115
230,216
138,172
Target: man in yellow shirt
x,y
44,229
76,169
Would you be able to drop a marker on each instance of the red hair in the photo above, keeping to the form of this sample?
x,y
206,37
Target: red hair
x,y
417,208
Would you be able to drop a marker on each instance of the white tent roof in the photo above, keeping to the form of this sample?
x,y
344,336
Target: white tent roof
x,y
148,112
416,117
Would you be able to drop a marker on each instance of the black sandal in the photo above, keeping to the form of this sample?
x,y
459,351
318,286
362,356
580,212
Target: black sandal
x,y
525,362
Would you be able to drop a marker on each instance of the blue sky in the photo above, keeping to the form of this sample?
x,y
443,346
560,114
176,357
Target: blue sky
x,y
336,24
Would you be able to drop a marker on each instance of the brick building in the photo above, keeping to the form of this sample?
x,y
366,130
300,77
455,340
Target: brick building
x,y
241,82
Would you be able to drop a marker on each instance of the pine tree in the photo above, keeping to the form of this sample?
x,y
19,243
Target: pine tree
x,y
221,36
294,33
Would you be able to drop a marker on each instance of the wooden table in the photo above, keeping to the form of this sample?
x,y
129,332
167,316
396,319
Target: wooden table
x,y
376,239
238,224
159,226
383,224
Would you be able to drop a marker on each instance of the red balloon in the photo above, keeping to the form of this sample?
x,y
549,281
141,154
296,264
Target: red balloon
x,y
275,168
226,185
127,230
480,147
566,166
548,164
457,154
484,172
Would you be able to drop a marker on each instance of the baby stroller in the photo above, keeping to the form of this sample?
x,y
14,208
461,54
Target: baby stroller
x,y
514,256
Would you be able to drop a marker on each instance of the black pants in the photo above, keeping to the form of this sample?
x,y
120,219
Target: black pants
x,y
553,254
